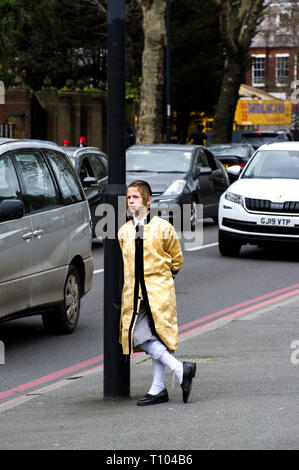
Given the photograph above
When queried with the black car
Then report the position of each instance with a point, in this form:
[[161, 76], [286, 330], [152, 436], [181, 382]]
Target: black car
[[91, 164], [232, 154], [258, 138], [179, 174]]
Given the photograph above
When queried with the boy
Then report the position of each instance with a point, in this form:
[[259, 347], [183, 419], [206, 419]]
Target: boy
[[152, 257]]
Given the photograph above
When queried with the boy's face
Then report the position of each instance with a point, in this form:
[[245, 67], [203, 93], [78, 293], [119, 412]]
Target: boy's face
[[135, 202]]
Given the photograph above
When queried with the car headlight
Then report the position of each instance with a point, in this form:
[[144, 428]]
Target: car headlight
[[175, 188], [232, 197]]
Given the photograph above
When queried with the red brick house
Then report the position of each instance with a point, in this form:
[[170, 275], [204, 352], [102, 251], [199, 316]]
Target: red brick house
[[274, 52]]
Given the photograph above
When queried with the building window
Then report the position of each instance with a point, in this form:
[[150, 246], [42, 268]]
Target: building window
[[258, 70], [282, 69]]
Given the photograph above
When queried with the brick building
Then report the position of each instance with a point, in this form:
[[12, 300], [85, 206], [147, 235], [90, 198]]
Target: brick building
[[274, 53]]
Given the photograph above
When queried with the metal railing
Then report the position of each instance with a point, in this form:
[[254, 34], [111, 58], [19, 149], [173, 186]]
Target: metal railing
[[7, 130]]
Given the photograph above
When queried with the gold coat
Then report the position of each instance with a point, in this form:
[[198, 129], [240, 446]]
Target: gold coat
[[162, 258]]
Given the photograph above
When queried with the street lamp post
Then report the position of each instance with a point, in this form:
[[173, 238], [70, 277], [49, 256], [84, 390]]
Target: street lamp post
[[116, 366], [167, 74]]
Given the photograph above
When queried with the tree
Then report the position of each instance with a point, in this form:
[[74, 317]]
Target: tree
[[51, 40], [6, 29], [151, 95], [195, 77], [238, 23]]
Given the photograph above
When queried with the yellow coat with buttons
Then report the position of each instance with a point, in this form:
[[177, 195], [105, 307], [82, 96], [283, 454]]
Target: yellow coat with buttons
[[162, 259]]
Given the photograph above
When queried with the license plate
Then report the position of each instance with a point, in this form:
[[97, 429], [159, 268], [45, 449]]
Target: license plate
[[276, 221]]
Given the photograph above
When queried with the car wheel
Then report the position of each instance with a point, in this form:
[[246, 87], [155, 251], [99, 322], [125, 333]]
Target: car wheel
[[227, 247], [64, 318]]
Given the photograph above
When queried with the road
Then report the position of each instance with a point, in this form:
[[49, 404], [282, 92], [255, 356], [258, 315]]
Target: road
[[207, 287]]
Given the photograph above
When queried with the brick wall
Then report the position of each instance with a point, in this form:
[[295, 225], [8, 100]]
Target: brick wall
[[69, 115]]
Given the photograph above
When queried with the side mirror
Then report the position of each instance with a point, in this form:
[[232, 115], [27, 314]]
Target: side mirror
[[11, 209], [234, 173], [89, 182]]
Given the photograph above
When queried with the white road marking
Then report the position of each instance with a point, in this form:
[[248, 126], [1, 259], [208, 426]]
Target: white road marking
[[201, 247]]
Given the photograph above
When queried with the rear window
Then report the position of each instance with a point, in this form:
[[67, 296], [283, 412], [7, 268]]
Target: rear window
[[260, 138]]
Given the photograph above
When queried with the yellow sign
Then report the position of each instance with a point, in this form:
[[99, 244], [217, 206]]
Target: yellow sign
[[263, 112]]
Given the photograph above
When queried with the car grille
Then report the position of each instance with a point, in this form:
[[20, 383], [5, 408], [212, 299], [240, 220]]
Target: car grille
[[263, 205], [255, 228]]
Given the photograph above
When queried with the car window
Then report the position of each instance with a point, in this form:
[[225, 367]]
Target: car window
[[159, 160], [211, 161], [99, 169], [241, 150], [85, 169], [200, 160], [104, 162], [9, 184], [66, 177], [40, 193], [273, 164]]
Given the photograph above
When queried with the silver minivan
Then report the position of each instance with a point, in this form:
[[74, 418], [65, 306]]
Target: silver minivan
[[46, 262]]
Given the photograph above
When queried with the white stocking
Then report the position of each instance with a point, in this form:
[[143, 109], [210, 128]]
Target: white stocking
[[158, 379], [160, 353]]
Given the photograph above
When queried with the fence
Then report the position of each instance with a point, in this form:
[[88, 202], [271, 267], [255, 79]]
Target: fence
[[7, 130]]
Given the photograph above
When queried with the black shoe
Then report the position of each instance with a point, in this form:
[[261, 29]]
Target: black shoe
[[149, 399], [189, 369]]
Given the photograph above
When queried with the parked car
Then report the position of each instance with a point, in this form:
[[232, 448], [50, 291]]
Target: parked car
[[258, 138], [179, 174], [91, 165], [232, 154], [45, 233], [262, 207]]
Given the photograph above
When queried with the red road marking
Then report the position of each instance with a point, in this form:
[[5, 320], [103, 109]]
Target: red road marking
[[257, 302], [235, 307], [50, 377]]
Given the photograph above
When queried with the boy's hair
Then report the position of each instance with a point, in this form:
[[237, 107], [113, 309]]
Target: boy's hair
[[144, 189]]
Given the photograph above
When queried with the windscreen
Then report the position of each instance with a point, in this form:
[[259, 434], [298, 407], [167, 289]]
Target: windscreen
[[158, 160], [273, 164]]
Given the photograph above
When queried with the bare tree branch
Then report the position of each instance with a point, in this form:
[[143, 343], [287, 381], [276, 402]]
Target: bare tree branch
[[99, 5]]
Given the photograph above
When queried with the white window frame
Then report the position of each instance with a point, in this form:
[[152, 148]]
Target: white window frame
[[279, 56], [254, 83]]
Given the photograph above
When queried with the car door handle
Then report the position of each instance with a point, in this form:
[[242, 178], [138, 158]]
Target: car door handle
[[38, 233], [27, 236]]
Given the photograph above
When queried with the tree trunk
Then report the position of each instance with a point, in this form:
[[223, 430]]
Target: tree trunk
[[225, 111], [150, 120]]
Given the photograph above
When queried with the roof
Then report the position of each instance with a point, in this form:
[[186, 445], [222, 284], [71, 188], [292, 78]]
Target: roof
[[75, 151], [164, 146], [252, 92]]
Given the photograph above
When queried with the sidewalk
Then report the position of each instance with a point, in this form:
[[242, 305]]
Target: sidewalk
[[244, 396]]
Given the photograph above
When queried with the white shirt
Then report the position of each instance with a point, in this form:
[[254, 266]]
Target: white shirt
[[140, 222]]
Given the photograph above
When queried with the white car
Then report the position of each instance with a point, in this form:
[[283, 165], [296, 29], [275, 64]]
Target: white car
[[262, 206]]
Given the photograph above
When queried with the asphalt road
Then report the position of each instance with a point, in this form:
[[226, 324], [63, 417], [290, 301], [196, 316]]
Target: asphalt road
[[207, 283]]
